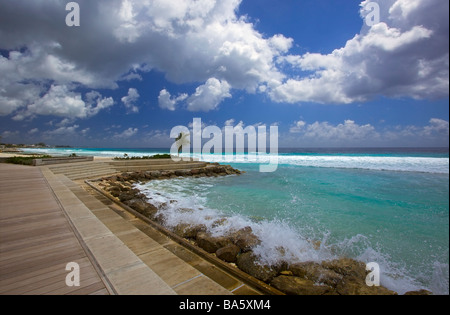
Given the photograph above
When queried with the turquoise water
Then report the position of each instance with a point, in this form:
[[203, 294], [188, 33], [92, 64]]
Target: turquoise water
[[387, 206]]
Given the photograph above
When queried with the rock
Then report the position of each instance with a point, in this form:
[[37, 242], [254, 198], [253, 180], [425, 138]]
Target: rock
[[182, 173], [248, 263], [299, 286], [142, 207], [209, 169], [195, 172], [228, 253], [347, 267], [316, 273], [210, 243], [136, 204], [351, 285], [245, 239], [188, 231], [125, 196], [155, 174], [420, 292], [114, 191], [219, 222]]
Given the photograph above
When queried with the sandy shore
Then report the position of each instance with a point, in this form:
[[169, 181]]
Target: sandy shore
[[8, 155]]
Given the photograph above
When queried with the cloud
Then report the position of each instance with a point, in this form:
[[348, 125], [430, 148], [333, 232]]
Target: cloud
[[232, 123], [341, 133], [166, 101], [437, 126], [33, 131], [187, 40], [8, 134], [130, 132], [130, 100], [350, 133], [60, 101], [208, 96], [208, 43], [61, 131], [297, 127], [405, 55]]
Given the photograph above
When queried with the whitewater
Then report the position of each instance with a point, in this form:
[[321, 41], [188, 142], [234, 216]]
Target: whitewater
[[389, 206]]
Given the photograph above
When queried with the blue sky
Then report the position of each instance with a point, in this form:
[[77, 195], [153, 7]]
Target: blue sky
[[133, 70]]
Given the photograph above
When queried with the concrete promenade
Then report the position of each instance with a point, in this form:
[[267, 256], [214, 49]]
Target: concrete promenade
[[49, 218]]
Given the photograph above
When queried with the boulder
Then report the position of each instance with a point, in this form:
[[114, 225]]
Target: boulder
[[187, 230], [142, 207], [155, 174], [195, 172], [420, 292], [245, 239], [182, 173], [228, 253], [125, 196], [248, 262], [114, 191], [316, 273], [351, 285], [136, 204], [210, 243], [347, 267], [299, 286]]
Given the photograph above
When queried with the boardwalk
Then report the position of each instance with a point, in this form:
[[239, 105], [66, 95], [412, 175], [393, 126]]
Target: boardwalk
[[48, 220], [37, 240]]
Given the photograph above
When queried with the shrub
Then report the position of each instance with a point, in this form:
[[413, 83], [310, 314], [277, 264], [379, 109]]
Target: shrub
[[28, 160], [152, 157]]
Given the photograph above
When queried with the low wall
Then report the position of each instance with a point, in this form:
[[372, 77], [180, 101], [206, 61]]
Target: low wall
[[62, 160]]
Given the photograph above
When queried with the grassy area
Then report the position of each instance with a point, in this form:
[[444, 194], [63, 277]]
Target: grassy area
[[26, 160], [152, 157]]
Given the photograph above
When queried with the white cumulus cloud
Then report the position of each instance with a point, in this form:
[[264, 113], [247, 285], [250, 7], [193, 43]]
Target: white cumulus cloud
[[208, 43], [405, 55], [208, 96], [130, 100]]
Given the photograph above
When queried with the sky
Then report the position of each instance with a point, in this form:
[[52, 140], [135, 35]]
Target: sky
[[123, 73]]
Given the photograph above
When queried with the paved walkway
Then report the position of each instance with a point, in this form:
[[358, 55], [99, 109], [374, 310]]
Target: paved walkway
[[36, 239], [47, 220]]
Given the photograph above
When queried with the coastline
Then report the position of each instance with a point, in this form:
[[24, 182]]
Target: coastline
[[342, 276], [392, 283]]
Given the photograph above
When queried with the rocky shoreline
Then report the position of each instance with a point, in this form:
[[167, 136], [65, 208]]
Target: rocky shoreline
[[338, 277]]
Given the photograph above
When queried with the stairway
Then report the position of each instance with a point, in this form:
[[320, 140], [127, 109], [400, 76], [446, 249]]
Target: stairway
[[154, 165], [133, 257], [83, 170], [95, 169]]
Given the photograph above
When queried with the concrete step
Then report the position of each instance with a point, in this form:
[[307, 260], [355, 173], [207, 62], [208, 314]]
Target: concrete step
[[156, 251], [179, 166], [90, 175], [123, 270], [68, 168], [147, 162]]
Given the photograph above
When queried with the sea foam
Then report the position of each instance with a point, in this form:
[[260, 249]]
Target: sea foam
[[280, 240]]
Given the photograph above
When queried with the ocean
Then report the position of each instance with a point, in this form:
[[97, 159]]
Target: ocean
[[389, 206]]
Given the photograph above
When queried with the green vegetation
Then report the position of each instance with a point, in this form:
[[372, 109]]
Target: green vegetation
[[152, 157], [25, 160]]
